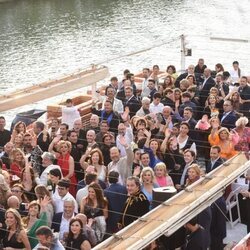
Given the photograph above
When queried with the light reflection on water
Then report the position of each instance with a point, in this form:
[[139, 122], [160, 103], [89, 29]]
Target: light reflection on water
[[40, 40]]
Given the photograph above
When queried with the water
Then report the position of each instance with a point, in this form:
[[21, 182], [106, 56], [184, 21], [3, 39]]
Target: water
[[44, 39]]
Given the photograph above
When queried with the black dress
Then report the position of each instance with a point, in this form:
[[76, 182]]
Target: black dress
[[12, 242], [75, 243]]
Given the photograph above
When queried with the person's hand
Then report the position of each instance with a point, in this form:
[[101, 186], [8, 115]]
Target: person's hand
[[137, 171], [91, 222], [45, 201], [245, 194], [122, 140], [56, 139], [147, 133], [167, 132], [125, 114], [178, 186]]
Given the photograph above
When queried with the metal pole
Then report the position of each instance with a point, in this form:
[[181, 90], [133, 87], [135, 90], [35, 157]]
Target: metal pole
[[182, 53]]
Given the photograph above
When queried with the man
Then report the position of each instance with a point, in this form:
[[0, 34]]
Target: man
[[205, 87], [215, 160], [228, 118], [82, 192], [121, 94], [114, 83], [121, 164], [5, 157], [91, 136], [144, 86], [200, 67], [47, 239], [104, 128], [152, 89], [186, 102], [244, 91], [93, 124], [144, 110], [127, 132], [47, 165], [70, 113], [43, 139], [61, 194], [108, 114], [81, 134], [76, 153], [190, 71], [197, 237], [168, 99], [116, 195], [131, 101], [117, 104], [5, 134], [136, 204], [64, 131], [156, 106], [60, 221]]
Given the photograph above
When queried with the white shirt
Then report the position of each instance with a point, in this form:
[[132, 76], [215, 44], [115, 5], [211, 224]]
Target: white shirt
[[43, 179], [64, 227], [58, 201], [81, 194], [69, 115], [117, 105], [156, 108], [129, 138]]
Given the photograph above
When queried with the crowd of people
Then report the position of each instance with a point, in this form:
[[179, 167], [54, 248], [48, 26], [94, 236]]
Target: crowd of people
[[71, 186]]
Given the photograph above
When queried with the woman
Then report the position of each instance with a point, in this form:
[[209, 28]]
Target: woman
[[171, 70], [66, 163], [183, 139], [191, 79], [54, 129], [76, 239], [225, 140], [148, 182], [152, 146], [161, 175], [95, 207], [19, 128], [96, 160], [177, 98], [234, 96], [28, 182], [244, 135], [17, 159], [168, 82], [36, 217], [212, 109], [219, 68], [43, 194], [194, 173], [136, 162], [16, 237]]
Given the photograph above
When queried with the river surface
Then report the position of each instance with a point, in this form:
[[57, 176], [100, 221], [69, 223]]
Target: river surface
[[44, 39]]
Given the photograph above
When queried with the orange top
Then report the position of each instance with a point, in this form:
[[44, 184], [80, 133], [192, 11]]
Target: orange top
[[227, 149]]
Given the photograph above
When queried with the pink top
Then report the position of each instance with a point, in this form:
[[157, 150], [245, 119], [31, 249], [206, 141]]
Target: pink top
[[164, 181]]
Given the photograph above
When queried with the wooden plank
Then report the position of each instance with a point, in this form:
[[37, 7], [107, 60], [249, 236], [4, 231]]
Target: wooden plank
[[52, 88], [179, 209]]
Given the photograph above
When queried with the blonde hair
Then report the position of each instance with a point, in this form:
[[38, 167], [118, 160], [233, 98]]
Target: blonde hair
[[17, 217], [196, 168], [163, 166], [241, 122], [67, 143], [147, 169]]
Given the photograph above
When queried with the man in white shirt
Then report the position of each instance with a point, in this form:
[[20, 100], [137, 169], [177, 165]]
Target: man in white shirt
[[145, 91], [156, 106], [236, 72], [60, 221], [47, 163], [61, 194]]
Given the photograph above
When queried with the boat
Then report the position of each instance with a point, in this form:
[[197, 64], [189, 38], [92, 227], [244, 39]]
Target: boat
[[178, 210], [52, 88]]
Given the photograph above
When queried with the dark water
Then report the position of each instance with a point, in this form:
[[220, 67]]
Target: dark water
[[42, 39]]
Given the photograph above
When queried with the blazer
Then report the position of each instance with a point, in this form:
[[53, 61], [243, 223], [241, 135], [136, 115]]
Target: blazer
[[216, 165], [56, 221], [205, 90], [229, 120], [133, 104]]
